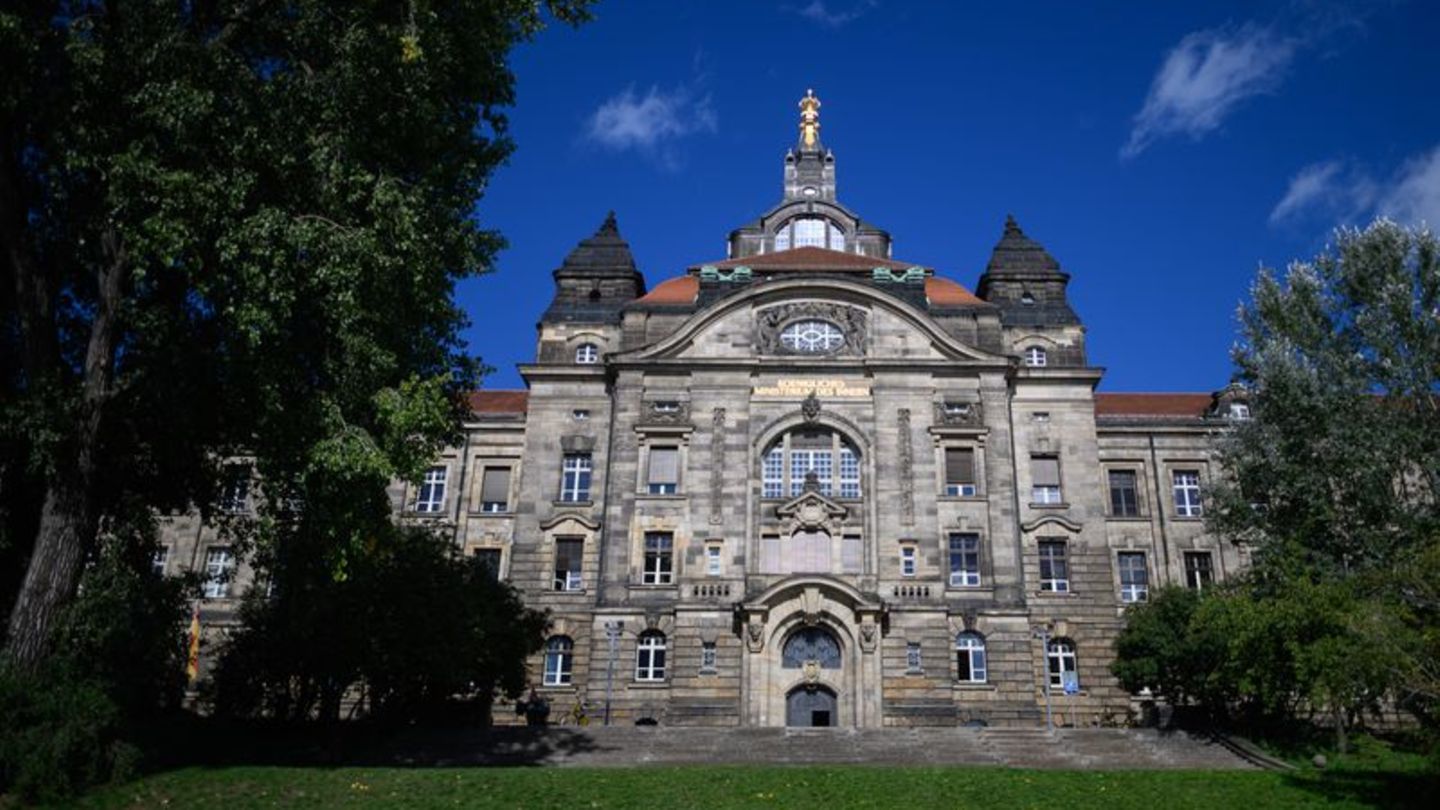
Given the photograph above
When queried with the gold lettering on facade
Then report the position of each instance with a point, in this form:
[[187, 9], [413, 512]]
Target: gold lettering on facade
[[821, 387]]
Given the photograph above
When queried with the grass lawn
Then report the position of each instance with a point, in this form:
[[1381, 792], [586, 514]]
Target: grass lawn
[[829, 787]]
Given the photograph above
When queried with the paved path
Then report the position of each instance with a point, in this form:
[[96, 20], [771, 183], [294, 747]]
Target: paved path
[[672, 745]]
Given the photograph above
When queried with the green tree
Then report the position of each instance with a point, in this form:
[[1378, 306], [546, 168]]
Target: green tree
[[411, 628], [1334, 482], [234, 226]]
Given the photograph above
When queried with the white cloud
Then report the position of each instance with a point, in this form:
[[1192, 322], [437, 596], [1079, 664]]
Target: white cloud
[[653, 123], [1414, 195], [818, 12], [1341, 191], [1205, 77], [1345, 193]]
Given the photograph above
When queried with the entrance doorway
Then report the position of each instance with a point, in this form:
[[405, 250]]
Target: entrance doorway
[[810, 707]]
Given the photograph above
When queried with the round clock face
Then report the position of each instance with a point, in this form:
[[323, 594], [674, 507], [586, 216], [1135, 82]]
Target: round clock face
[[812, 337]]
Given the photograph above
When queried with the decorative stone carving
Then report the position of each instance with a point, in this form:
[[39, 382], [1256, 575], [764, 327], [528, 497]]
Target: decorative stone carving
[[812, 672], [959, 414], [810, 408], [717, 463], [755, 636], [853, 321], [665, 412], [907, 470], [867, 637], [811, 512]]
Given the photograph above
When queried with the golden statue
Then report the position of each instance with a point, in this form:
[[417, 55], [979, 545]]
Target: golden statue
[[809, 118]]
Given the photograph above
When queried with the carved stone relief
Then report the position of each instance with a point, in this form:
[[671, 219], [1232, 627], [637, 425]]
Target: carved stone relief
[[665, 412], [907, 470], [959, 414], [717, 463], [853, 321]]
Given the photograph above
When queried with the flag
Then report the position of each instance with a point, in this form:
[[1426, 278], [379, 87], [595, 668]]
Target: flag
[[192, 661]]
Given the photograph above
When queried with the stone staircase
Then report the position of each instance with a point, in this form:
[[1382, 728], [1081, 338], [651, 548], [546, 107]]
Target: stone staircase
[[597, 746]]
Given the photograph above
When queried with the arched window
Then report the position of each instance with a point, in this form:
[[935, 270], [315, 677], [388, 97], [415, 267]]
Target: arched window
[[1035, 357], [970, 658], [810, 231], [1061, 659], [811, 644], [559, 655], [587, 354], [650, 656], [789, 460]]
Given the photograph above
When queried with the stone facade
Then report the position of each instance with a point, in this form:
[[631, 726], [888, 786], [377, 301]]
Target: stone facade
[[809, 483]]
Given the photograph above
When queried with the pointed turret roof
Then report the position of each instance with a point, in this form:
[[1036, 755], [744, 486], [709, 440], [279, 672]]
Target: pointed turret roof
[[605, 253], [597, 279], [1018, 253]]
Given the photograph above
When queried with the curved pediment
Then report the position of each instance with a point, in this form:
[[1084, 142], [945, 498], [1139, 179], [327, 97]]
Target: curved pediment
[[754, 315]]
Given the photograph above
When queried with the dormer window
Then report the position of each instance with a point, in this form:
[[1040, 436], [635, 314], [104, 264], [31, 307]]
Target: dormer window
[[1035, 357], [1027, 299], [587, 354], [1239, 410], [665, 406], [809, 231], [957, 409]]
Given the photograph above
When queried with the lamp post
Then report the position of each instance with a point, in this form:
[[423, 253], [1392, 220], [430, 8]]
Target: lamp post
[[612, 637], [1042, 632]]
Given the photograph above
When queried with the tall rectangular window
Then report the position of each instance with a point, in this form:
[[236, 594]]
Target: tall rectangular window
[[430, 496], [489, 560], [1134, 577], [849, 473], [575, 477], [664, 477], [1054, 567], [964, 560], [568, 557], [772, 473], [219, 568], [707, 657], [495, 490], [1045, 479], [1187, 493], [907, 561], [659, 565], [159, 559], [714, 562], [235, 488], [959, 471], [912, 657], [804, 462], [1198, 573], [1124, 493]]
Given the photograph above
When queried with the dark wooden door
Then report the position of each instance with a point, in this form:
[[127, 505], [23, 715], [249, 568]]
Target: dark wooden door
[[807, 708]]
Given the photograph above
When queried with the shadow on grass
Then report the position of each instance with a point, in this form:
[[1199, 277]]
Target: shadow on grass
[[1386, 789], [211, 743]]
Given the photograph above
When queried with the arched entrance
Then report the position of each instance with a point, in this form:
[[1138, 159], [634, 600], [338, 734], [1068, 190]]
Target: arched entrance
[[810, 707]]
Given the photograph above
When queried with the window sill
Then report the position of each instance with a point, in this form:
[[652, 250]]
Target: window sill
[[979, 498], [1189, 518], [974, 686], [1128, 518], [969, 590], [649, 684], [573, 503], [482, 514], [1061, 594], [1061, 505], [648, 586], [555, 688], [663, 496], [577, 592]]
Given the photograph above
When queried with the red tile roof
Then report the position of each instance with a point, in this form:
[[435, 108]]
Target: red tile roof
[[945, 293], [810, 258], [498, 401], [678, 290], [1152, 404]]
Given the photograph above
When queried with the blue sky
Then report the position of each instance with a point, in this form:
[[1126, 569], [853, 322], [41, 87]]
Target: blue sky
[[1161, 151]]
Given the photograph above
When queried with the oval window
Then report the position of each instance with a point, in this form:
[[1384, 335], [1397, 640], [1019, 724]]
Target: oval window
[[812, 337]]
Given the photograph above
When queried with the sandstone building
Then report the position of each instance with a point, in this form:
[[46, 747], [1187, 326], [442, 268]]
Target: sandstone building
[[810, 483]]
